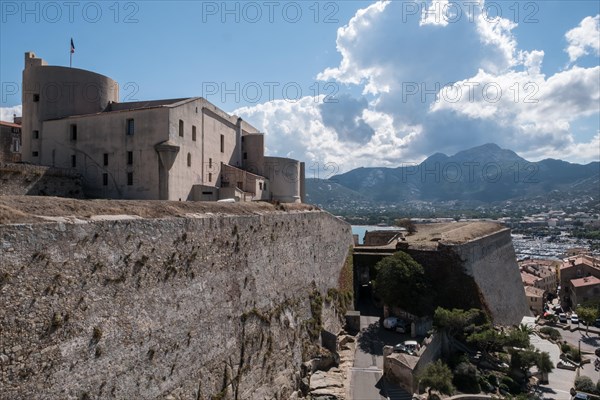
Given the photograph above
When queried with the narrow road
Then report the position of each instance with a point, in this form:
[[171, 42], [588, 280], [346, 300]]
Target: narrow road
[[366, 377], [559, 380]]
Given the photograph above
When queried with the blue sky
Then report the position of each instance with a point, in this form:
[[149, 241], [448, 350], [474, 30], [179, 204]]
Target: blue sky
[[351, 83]]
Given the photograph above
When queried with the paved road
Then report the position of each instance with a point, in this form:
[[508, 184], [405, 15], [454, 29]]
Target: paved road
[[366, 377], [589, 343], [559, 380]]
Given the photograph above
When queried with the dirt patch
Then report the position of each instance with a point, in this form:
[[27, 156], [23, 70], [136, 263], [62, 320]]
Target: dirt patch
[[27, 209]]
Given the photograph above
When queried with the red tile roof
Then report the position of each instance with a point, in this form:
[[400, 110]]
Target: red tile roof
[[587, 281], [12, 125]]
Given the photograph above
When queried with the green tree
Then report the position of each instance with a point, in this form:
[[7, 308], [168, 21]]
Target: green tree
[[457, 323], [407, 224], [487, 340], [544, 365], [437, 376], [522, 360], [401, 282], [587, 315]]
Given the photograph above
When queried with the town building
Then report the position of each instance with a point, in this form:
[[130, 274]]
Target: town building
[[583, 290], [174, 149], [574, 288], [535, 299], [10, 141], [541, 274]]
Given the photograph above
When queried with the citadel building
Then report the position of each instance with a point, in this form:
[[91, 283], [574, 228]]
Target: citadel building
[[175, 149]]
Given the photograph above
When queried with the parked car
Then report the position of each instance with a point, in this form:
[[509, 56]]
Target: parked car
[[408, 346], [597, 323], [403, 326], [390, 322], [574, 319], [562, 317], [580, 396]]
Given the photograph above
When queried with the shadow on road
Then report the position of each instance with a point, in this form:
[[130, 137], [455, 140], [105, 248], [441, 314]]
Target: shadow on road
[[370, 340]]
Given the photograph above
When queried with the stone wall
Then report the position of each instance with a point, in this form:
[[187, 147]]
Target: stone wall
[[36, 180], [207, 306], [491, 262]]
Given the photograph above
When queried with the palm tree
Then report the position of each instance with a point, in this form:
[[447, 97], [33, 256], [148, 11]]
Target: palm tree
[[544, 365]]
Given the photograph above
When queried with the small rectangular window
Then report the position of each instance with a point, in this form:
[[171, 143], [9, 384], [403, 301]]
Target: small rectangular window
[[105, 179], [130, 158], [222, 144], [36, 134], [105, 159], [209, 177], [129, 178], [245, 156], [73, 161], [73, 132], [130, 126], [36, 98], [181, 128], [194, 133], [210, 163], [34, 154], [260, 185]]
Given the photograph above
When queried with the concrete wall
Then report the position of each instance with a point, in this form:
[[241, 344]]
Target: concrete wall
[[106, 133], [187, 307]]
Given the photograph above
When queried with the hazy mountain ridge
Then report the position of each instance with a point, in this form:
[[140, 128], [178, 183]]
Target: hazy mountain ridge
[[485, 173]]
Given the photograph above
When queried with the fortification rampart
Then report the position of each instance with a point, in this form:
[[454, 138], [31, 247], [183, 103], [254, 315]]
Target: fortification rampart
[[131, 308]]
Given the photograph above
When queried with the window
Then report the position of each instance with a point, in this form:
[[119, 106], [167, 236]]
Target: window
[[130, 158], [36, 134], [105, 179], [260, 185], [105, 159], [36, 98], [222, 144], [73, 132], [181, 128], [265, 186], [194, 133], [129, 178], [210, 163], [189, 160], [34, 153], [73, 161], [130, 126], [245, 156], [209, 177]]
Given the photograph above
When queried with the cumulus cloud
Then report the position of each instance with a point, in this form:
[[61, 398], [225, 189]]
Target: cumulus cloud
[[438, 81], [7, 113], [585, 38]]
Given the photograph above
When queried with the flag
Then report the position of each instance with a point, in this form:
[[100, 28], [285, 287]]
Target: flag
[[72, 46]]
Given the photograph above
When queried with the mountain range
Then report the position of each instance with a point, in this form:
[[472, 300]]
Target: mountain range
[[485, 173]]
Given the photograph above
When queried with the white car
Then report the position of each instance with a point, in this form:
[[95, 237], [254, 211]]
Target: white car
[[574, 319]]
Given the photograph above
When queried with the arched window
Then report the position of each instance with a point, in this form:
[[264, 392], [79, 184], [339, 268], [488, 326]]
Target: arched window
[[189, 160]]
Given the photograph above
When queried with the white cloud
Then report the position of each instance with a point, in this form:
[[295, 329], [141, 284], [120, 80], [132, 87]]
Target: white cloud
[[584, 38], [6, 113], [401, 61]]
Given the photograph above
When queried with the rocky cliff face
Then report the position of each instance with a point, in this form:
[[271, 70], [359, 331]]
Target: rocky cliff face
[[207, 306]]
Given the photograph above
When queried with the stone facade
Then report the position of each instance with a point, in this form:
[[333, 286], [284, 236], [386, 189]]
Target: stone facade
[[174, 149], [10, 142], [131, 308]]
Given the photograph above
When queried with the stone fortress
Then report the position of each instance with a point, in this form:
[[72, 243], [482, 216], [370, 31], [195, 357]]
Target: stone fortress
[[176, 149]]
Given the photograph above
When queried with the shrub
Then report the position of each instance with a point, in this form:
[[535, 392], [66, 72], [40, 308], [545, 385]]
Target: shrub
[[585, 384], [553, 333]]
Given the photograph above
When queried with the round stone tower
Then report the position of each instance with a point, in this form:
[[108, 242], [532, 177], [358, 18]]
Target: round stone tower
[[51, 92]]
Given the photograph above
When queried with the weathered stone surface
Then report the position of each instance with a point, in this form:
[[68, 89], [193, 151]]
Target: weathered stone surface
[[165, 307]]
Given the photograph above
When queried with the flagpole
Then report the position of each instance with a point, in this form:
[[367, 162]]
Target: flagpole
[[70, 59]]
